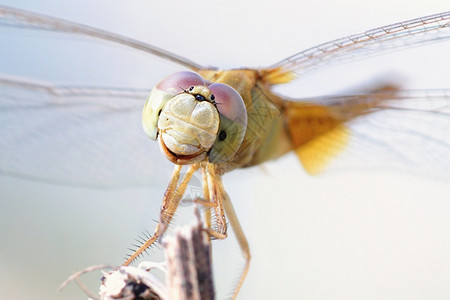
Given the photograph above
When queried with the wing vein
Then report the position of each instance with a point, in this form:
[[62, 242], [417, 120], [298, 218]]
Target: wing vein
[[13, 17]]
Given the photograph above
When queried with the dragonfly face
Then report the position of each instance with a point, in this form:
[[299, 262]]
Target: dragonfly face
[[193, 123], [261, 244], [189, 124]]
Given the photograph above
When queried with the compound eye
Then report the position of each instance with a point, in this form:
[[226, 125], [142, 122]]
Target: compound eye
[[180, 81], [233, 122]]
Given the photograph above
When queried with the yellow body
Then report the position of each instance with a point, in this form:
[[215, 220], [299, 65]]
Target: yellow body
[[276, 126]]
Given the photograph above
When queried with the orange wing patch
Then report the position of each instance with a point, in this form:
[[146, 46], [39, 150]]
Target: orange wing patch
[[316, 154], [316, 134]]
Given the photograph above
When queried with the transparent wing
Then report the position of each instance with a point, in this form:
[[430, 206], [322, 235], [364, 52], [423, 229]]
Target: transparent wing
[[76, 135], [377, 41], [409, 131], [80, 135], [11, 17]]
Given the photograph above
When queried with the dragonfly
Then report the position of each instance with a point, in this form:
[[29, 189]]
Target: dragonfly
[[263, 125]]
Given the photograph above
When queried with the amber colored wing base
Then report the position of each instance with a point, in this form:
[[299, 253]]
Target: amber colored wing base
[[317, 129]]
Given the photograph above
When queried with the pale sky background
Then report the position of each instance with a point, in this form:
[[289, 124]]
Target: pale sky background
[[344, 235]]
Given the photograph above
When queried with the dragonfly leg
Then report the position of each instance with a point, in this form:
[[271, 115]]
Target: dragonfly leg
[[240, 236], [171, 200], [206, 196], [217, 230], [212, 200], [217, 199]]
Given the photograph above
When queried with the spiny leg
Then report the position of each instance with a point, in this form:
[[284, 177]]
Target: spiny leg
[[207, 199], [221, 203], [171, 200], [171, 187], [240, 236], [220, 225], [206, 196], [212, 200]]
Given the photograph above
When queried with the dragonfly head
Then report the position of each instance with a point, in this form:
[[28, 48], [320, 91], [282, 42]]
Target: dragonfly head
[[195, 121], [188, 125]]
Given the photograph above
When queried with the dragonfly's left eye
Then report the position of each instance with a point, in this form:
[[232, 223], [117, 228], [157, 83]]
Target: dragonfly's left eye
[[233, 122]]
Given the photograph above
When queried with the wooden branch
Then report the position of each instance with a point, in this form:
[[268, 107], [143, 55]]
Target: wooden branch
[[189, 271]]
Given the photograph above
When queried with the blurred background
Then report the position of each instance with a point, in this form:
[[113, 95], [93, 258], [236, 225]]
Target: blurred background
[[343, 235]]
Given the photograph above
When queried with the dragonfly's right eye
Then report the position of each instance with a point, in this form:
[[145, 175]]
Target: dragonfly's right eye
[[163, 92], [233, 122]]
